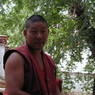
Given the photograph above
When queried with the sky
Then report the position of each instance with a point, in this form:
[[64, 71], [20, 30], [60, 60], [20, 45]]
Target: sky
[[79, 65]]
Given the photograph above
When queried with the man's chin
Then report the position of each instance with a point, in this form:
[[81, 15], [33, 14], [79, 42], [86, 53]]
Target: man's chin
[[35, 47], [38, 48]]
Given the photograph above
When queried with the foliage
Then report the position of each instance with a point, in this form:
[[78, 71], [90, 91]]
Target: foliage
[[71, 25]]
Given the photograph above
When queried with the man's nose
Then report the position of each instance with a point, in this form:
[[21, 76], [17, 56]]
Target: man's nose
[[39, 35]]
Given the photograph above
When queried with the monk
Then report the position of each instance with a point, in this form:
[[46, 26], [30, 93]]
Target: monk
[[28, 70]]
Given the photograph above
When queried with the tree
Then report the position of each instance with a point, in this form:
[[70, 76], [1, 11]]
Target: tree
[[71, 24]]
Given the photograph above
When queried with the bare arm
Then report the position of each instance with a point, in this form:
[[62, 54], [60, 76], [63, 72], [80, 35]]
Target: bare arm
[[14, 75]]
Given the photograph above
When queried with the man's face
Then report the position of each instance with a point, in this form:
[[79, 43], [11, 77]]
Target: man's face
[[36, 35]]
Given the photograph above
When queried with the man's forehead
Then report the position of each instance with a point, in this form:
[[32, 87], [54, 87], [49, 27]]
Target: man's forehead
[[38, 24]]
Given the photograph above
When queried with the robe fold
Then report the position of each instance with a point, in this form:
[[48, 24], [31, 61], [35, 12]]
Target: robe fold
[[36, 81]]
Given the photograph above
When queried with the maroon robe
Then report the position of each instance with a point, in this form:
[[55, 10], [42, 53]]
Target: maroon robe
[[36, 81]]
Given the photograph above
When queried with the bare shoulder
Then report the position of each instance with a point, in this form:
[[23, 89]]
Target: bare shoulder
[[14, 71], [14, 60]]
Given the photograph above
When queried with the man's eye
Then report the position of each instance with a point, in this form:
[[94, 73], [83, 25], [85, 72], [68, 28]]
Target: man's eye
[[34, 31], [43, 31]]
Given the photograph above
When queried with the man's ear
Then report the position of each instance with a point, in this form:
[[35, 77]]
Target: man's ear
[[48, 31], [24, 32]]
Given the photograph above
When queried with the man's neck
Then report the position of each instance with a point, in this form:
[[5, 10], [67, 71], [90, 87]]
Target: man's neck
[[37, 52]]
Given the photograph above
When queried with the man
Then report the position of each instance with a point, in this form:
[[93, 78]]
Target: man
[[28, 70]]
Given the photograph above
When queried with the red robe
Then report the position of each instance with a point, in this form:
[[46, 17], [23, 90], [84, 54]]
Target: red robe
[[36, 81]]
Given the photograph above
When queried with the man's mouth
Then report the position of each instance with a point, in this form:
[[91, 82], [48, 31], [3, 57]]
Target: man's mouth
[[39, 42]]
